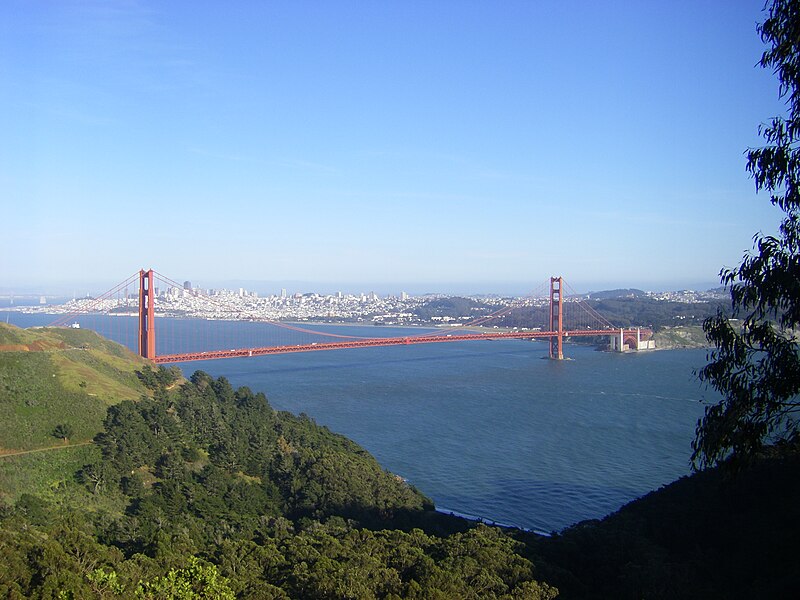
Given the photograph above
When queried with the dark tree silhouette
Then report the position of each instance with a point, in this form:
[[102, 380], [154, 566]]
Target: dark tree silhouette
[[63, 431], [756, 363]]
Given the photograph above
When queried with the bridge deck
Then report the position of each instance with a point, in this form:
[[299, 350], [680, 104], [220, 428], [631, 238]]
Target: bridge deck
[[388, 341]]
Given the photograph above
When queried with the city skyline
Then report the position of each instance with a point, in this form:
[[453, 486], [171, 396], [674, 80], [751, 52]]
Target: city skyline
[[446, 147], [292, 288]]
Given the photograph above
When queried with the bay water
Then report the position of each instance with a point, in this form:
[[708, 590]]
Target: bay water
[[489, 429]]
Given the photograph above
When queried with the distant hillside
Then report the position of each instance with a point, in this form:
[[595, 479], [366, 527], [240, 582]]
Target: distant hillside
[[716, 534], [60, 376], [618, 293], [690, 336]]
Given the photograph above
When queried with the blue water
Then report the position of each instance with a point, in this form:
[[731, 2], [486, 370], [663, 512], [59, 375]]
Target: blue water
[[491, 428]]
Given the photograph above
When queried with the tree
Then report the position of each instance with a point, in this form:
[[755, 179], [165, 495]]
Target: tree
[[96, 475], [194, 582], [63, 431], [756, 363]]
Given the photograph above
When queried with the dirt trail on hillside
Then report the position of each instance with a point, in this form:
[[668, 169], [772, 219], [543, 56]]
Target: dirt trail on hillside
[[4, 452]]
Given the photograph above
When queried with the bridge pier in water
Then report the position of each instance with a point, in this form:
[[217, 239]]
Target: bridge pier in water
[[556, 318]]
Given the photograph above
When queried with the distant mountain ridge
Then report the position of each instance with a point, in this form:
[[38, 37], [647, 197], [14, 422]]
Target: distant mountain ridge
[[617, 293]]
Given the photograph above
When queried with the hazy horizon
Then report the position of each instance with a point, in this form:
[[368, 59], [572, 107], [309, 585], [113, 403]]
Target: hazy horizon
[[66, 289]]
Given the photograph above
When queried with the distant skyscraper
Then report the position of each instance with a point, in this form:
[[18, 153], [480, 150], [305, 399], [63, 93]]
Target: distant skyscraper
[[187, 285], [283, 292]]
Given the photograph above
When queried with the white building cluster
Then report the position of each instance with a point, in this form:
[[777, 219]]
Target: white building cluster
[[690, 296], [245, 305]]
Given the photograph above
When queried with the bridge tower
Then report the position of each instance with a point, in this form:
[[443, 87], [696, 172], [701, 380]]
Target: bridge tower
[[556, 322], [147, 322]]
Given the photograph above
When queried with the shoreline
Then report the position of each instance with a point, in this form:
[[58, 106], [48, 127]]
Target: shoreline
[[490, 522], [680, 340]]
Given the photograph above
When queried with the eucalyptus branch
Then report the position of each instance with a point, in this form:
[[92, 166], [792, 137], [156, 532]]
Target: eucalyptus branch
[[756, 368]]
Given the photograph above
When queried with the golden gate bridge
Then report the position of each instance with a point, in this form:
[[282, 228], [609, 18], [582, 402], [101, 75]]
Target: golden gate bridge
[[559, 325]]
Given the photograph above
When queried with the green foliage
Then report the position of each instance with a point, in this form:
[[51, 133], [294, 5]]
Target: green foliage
[[196, 581], [159, 379], [211, 493], [332, 561], [626, 312], [210, 475], [50, 377], [757, 367], [54, 559], [63, 431], [258, 461], [319, 560], [33, 402], [105, 584], [623, 312], [204, 491], [704, 536], [453, 307], [49, 474], [96, 476]]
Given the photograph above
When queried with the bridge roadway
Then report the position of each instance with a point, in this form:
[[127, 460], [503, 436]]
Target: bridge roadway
[[390, 341]]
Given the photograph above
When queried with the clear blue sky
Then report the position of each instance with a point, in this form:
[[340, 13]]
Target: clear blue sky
[[472, 145]]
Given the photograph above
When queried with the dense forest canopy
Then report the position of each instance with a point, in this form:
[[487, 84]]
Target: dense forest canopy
[[204, 489]]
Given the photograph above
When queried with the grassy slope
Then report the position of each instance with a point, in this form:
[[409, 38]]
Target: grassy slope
[[684, 336], [45, 474], [53, 376]]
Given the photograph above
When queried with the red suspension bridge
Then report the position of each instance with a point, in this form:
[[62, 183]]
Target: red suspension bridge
[[580, 321]]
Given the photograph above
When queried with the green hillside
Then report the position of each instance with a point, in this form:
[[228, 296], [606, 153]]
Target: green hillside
[[55, 376], [684, 336], [716, 534], [195, 483], [206, 488]]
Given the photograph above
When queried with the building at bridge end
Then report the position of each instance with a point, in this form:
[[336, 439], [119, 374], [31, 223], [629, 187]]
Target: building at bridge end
[[631, 340]]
